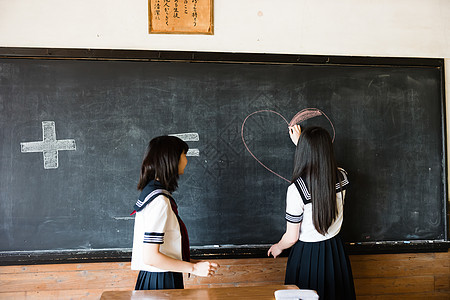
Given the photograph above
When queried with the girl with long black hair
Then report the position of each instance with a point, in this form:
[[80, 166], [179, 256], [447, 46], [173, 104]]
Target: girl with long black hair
[[314, 215]]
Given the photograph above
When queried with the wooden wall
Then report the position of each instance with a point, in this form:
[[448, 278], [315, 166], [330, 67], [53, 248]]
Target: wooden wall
[[387, 276]]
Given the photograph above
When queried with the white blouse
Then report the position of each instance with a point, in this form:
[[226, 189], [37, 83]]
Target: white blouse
[[156, 223], [297, 211]]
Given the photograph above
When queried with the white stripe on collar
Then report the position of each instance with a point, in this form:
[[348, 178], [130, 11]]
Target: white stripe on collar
[[305, 191], [139, 203]]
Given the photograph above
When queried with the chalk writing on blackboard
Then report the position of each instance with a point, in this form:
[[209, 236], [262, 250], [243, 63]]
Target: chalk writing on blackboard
[[301, 116], [309, 113], [181, 16], [49, 146], [189, 137]]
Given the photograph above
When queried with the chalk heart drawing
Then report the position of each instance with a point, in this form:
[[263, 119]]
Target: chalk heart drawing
[[301, 116]]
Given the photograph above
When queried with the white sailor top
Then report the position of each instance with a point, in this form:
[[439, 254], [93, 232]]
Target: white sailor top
[[156, 223], [299, 209]]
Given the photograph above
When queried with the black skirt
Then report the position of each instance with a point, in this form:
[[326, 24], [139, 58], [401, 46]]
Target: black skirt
[[159, 280], [321, 266]]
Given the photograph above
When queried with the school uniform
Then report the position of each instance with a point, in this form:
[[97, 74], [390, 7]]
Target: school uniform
[[317, 261], [157, 222]]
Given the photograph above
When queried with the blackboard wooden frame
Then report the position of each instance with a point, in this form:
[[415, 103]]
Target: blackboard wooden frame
[[225, 57], [244, 58]]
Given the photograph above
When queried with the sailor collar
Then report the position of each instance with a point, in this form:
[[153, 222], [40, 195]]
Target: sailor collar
[[303, 189], [152, 190]]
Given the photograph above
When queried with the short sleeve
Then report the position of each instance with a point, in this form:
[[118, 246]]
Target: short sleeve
[[294, 205], [155, 219]]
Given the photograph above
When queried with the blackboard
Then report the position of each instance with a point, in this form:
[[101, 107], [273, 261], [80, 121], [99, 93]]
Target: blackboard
[[102, 108]]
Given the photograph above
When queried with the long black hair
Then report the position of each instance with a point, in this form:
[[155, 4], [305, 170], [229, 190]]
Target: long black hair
[[315, 162], [161, 162]]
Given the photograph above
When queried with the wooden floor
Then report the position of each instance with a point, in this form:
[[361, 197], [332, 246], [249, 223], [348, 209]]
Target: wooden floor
[[387, 276]]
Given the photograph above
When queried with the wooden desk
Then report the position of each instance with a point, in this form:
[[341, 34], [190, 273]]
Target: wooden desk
[[249, 292]]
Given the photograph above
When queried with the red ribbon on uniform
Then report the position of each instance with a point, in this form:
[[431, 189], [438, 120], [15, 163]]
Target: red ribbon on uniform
[[185, 250]]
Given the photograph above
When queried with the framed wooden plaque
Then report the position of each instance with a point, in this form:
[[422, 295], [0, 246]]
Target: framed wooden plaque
[[181, 16]]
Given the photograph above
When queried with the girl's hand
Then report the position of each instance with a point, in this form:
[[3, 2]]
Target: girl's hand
[[275, 250], [205, 268], [294, 133]]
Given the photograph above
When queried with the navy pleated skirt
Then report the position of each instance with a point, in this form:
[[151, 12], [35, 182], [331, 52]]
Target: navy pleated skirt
[[321, 266], [159, 280]]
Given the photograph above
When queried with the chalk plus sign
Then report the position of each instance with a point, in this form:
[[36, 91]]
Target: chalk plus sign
[[49, 146]]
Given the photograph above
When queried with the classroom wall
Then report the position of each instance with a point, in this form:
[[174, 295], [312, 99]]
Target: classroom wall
[[406, 28], [401, 28]]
